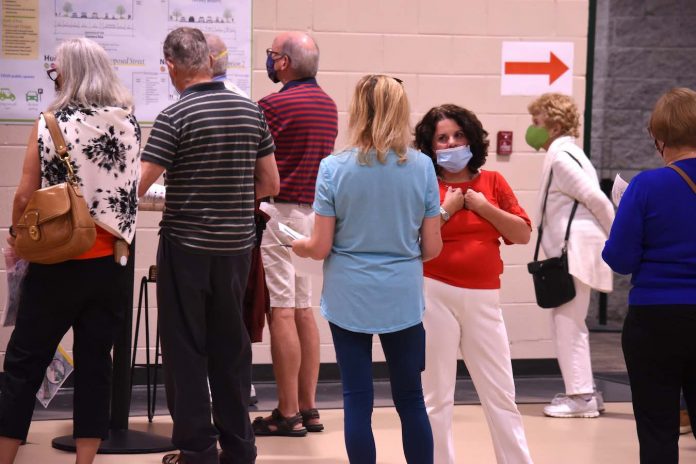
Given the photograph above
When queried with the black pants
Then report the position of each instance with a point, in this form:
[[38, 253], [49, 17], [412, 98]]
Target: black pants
[[204, 339], [87, 296], [660, 350]]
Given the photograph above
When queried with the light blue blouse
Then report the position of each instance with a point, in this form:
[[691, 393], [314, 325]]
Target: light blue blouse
[[373, 277]]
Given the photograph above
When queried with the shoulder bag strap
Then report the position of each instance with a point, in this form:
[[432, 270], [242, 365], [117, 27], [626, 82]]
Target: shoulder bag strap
[[541, 220], [59, 143], [572, 213], [684, 175], [543, 213]]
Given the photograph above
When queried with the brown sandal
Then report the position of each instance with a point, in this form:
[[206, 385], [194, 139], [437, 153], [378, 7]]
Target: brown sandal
[[307, 416], [284, 426]]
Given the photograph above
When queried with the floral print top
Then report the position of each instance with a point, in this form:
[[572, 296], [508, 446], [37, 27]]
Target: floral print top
[[104, 147]]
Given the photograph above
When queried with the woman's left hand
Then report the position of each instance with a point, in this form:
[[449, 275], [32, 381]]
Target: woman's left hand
[[474, 201], [299, 247]]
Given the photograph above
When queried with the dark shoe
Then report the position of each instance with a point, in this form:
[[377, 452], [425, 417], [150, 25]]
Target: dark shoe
[[173, 458], [278, 426], [309, 415]]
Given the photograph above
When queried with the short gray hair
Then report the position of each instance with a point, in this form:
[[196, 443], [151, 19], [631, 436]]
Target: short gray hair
[[186, 47], [304, 61], [218, 50], [87, 77]]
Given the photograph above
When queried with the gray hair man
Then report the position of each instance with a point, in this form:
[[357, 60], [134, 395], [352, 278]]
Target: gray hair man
[[220, 57], [303, 120], [206, 236]]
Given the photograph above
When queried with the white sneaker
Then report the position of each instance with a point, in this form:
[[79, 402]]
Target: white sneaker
[[558, 399], [572, 406]]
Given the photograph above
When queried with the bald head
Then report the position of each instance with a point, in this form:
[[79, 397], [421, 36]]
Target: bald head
[[218, 50], [302, 51]]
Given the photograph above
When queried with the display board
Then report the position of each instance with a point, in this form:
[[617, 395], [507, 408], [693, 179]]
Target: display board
[[132, 33]]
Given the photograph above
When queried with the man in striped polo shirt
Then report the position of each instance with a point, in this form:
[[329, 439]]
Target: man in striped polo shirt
[[216, 149], [304, 123]]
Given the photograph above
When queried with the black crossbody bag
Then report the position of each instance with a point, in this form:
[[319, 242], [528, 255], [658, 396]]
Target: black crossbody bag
[[553, 285]]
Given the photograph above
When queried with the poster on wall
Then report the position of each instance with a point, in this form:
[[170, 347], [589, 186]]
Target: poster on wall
[[132, 33]]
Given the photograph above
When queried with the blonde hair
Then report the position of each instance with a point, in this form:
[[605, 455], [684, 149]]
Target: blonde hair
[[557, 109], [87, 77], [673, 121], [379, 119]]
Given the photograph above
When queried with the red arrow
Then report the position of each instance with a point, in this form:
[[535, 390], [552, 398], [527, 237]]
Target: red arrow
[[555, 68]]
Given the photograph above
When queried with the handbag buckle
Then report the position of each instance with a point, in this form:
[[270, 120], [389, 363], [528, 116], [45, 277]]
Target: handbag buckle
[[34, 233]]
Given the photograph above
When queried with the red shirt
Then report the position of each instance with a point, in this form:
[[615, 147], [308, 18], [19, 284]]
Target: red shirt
[[304, 123], [103, 246], [470, 256]]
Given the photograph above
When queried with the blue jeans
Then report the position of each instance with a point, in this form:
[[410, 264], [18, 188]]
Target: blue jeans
[[405, 354]]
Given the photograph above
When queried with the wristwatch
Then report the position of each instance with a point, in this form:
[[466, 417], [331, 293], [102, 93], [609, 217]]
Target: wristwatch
[[444, 214], [12, 232]]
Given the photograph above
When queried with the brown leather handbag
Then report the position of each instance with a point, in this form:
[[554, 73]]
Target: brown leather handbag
[[56, 224]]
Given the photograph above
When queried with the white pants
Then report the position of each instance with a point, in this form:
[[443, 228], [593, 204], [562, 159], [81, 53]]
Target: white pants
[[572, 341], [471, 321]]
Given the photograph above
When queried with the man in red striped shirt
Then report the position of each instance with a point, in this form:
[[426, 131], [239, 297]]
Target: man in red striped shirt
[[304, 123]]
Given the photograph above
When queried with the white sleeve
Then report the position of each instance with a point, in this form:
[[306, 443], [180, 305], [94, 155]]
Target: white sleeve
[[572, 180]]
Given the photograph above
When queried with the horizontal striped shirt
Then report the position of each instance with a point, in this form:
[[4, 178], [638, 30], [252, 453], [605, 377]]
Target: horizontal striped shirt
[[209, 142], [304, 122]]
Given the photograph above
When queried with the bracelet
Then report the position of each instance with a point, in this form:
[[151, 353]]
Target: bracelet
[[444, 214], [13, 234]]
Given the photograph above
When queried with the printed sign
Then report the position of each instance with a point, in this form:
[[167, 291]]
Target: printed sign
[[533, 68]]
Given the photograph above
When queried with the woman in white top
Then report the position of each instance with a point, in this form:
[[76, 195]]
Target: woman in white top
[[555, 125]]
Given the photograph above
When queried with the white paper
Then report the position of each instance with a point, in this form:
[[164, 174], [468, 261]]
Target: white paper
[[290, 232], [303, 266], [153, 200], [56, 373], [618, 190]]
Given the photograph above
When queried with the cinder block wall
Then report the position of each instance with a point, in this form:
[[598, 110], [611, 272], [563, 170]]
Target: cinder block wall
[[642, 50], [445, 51]]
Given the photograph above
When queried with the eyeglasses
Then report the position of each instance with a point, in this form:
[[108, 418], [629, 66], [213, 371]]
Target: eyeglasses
[[270, 52], [52, 74], [398, 80]]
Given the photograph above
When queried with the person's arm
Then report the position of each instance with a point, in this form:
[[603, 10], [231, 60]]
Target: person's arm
[[149, 173], [572, 180], [318, 245], [30, 180], [513, 228], [431, 238], [266, 177], [623, 250]]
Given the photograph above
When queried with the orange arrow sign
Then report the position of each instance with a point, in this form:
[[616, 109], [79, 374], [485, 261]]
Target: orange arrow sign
[[555, 68]]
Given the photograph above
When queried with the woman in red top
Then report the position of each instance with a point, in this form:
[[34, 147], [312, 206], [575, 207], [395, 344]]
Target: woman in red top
[[462, 284]]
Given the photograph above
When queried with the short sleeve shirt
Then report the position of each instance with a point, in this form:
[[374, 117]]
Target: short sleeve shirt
[[209, 142], [470, 256], [373, 277]]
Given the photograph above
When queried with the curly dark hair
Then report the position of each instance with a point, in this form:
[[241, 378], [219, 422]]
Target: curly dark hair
[[467, 121]]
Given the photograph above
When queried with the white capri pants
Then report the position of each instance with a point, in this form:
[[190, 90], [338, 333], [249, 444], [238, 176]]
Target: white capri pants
[[572, 341], [470, 320]]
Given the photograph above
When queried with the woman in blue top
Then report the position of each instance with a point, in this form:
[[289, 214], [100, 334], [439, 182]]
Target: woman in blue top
[[377, 219], [654, 239]]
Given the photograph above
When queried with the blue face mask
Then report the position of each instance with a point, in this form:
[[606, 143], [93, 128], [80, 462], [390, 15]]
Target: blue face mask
[[454, 159], [272, 75]]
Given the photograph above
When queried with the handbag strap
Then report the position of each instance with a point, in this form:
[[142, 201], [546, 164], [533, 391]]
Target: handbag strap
[[543, 213], [684, 175], [59, 143]]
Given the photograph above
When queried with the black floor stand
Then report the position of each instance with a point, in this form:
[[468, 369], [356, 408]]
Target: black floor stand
[[121, 439]]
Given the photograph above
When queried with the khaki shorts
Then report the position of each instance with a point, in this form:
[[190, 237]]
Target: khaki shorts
[[286, 289]]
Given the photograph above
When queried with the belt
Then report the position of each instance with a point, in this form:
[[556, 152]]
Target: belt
[[273, 200]]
